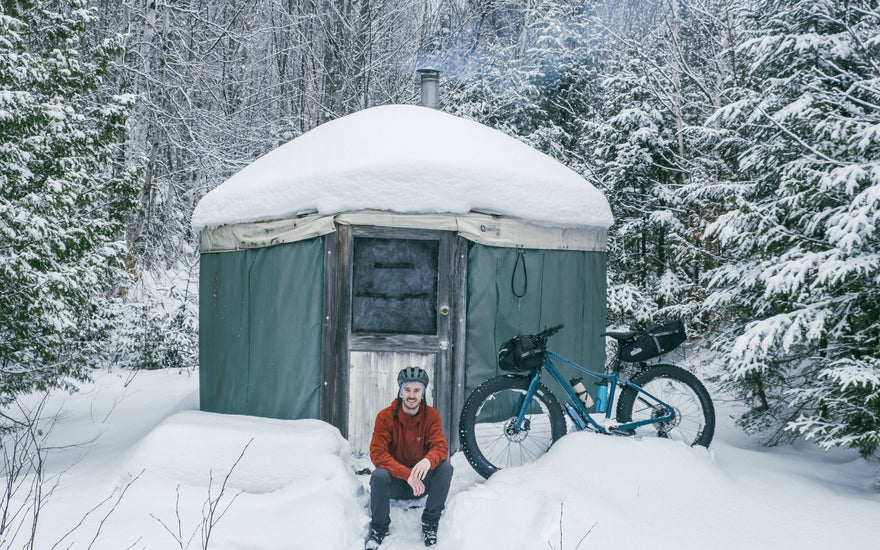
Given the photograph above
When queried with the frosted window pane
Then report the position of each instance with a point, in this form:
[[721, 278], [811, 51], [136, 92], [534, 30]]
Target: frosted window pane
[[394, 286]]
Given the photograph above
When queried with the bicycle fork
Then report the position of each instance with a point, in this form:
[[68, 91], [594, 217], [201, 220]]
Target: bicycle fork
[[521, 423]]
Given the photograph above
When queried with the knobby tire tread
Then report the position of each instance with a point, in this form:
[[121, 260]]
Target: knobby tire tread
[[628, 396], [467, 436]]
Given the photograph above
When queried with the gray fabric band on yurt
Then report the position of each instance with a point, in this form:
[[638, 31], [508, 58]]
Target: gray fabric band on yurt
[[476, 227]]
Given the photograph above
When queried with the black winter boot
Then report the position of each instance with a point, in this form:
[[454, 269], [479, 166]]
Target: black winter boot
[[376, 538], [429, 533]]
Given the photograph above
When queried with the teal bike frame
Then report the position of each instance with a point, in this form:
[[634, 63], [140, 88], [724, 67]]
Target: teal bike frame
[[586, 419]]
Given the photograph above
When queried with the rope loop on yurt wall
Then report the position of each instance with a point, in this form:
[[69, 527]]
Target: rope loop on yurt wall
[[520, 260]]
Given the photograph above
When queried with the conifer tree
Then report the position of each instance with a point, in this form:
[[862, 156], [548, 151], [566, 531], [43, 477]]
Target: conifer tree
[[664, 67], [800, 290], [63, 195]]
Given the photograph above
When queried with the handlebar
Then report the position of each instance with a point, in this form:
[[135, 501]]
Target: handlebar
[[548, 332]]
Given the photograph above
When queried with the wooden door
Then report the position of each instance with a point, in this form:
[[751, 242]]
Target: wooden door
[[396, 309]]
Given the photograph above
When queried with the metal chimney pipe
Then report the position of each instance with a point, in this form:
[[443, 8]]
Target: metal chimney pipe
[[430, 86]]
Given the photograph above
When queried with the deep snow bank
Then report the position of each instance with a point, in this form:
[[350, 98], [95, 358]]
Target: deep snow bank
[[292, 487], [295, 487], [593, 490]]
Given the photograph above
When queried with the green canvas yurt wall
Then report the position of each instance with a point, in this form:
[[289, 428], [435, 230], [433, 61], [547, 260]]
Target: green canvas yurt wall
[[261, 314], [260, 330], [557, 287]]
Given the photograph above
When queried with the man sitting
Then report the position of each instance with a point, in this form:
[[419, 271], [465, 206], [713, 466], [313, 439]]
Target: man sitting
[[411, 456]]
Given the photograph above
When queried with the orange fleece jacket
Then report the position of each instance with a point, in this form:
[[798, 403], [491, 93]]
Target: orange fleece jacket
[[398, 444]]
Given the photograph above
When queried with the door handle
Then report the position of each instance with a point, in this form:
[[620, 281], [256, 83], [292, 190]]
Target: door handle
[[444, 310]]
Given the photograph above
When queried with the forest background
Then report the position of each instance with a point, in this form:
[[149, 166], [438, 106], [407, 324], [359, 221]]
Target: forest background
[[736, 140]]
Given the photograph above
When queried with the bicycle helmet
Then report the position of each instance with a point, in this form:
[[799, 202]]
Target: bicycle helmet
[[412, 374]]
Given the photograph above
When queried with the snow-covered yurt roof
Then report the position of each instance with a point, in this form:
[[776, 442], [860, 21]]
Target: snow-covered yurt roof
[[409, 166]]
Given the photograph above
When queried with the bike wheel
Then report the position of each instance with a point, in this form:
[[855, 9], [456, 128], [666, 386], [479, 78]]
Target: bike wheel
[[485, 427], [694, 421]]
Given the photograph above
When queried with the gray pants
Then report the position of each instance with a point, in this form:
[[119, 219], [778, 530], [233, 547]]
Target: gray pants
[[384, 487]]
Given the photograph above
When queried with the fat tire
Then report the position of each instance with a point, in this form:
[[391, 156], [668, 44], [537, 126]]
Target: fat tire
[[627, 400], [475, 401]]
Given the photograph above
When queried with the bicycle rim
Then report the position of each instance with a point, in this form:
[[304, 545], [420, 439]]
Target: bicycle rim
[[495, 436], [689, 422]]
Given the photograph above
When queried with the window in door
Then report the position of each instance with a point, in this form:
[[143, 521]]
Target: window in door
[[394, 286]]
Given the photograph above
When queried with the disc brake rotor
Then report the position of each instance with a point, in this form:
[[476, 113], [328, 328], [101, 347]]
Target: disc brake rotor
[[512, 433]]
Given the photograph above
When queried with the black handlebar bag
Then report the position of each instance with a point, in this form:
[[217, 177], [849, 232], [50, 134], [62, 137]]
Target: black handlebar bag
[[521, 354]]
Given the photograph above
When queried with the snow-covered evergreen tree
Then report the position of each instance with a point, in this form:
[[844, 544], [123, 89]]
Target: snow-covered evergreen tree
[[664, 67], [63, 195], [800, 292], [633, 155], [158, 327]]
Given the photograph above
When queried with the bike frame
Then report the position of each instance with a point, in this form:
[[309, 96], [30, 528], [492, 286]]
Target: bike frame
[[613, 381]]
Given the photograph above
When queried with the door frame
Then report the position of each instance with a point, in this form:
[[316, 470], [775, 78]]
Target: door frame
[[338, 341]]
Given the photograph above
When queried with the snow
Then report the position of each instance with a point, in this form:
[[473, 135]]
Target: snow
[[293, 485], [405, 159]]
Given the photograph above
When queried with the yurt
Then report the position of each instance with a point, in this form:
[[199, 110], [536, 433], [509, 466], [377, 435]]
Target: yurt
[[398, 235]]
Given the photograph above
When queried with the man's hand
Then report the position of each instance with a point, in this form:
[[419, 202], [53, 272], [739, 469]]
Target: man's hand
[[417, 474]]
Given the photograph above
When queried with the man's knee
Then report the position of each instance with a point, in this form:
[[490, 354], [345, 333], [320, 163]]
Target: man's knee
[[380, 476], [441, 477], [444, 470]]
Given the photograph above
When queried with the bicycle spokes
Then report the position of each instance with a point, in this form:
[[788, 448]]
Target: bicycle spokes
[[686, 422], [498, 438]]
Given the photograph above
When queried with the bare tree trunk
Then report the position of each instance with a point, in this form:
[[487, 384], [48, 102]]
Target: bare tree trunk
[[676, 77]]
